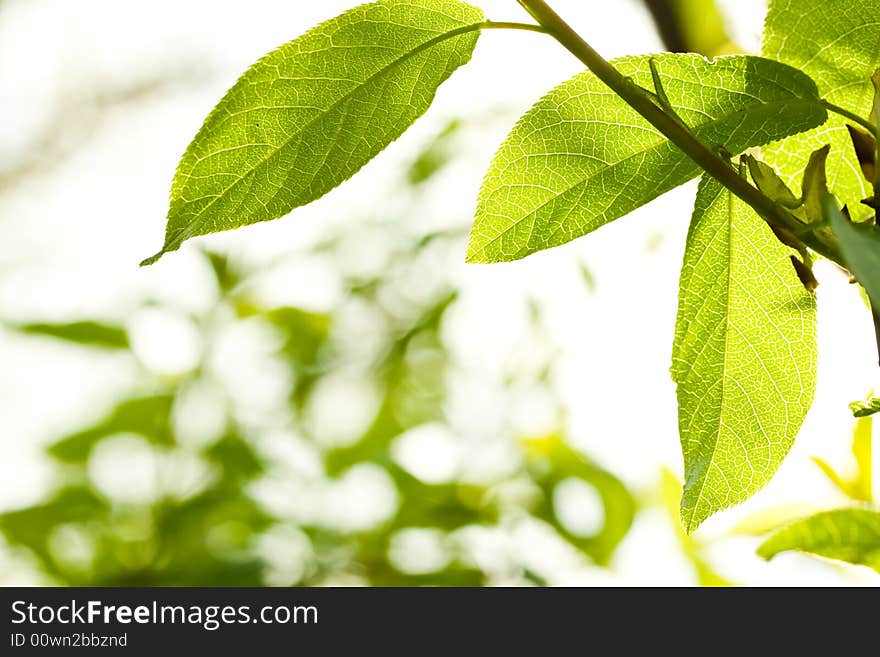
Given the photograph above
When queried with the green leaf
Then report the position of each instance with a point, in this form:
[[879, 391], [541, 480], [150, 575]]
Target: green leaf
[[310, 114], [768, 181], [581, 157], [815, 186], [835, 43], [860, 244], [865, 408], [744, 356], [92, 334], [851, 535]]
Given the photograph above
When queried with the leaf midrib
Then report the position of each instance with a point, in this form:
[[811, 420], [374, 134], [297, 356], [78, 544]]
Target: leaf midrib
[[691, 525]]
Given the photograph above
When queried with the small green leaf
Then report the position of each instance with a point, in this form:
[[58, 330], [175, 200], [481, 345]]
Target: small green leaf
[[815, 186], [310, 114], [581, 157], [769, 182], [865, 408], [92, 334], [860, 244], [744, 356], [851, 535], [835, 43]]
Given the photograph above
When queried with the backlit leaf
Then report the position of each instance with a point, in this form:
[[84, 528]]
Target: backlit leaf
[[835, 43], [851, 535], [310, 114], [581, 157], [744, 356]]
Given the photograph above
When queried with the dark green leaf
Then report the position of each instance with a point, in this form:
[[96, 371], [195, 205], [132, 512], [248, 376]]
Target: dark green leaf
[[865, 408]]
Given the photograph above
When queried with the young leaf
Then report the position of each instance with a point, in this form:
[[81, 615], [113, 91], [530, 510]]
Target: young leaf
[[865, 408], [860, 244], [744, 355], [581, 157], [310, 114], [815, 186], [768, 181], [851, 535], [835, 43]]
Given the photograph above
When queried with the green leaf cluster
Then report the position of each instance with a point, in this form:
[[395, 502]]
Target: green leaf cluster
[[835, 43], [310, 114]]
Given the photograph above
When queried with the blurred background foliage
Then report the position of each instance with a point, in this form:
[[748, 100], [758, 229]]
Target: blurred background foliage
[[194, 513], [180, 483]]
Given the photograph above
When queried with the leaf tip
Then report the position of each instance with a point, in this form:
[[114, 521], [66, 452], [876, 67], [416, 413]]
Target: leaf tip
[[146, 262], [689, 519], [475, 256], [169, 246]]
